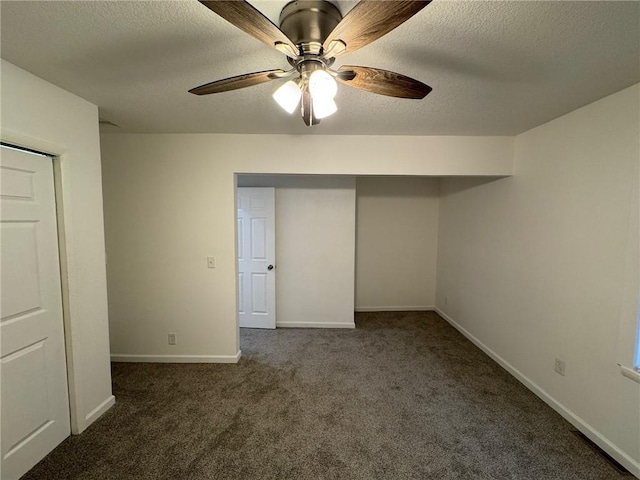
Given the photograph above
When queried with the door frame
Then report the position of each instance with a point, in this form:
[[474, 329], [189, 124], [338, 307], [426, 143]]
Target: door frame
[[60, 157]]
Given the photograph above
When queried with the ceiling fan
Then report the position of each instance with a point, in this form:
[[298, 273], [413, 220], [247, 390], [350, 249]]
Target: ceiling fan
[[312, 34]]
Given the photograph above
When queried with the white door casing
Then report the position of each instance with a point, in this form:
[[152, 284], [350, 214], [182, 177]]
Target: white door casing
[[33, 390], [256, 258]]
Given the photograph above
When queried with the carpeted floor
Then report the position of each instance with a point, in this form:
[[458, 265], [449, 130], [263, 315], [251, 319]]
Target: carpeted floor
[[403, 396]]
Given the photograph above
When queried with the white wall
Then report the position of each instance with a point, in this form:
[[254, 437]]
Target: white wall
[[533, 267], [315, 248], [397, 243], [170, 202], [41, 116]]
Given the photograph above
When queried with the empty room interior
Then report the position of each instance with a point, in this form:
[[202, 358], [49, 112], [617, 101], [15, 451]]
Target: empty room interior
[[407, 246]]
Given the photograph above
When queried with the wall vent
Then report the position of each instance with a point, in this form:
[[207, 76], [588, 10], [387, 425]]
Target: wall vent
[[103, 121]]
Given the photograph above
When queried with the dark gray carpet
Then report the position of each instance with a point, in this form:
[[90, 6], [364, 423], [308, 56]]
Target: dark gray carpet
[[403, 396]]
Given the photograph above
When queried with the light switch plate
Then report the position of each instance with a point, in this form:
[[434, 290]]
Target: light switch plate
[[211, 262]]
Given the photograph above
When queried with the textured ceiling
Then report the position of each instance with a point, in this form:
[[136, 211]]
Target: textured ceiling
[[496, 67]]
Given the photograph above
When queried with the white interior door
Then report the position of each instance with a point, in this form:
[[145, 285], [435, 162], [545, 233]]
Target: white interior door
[[256, 258], [34, 399]]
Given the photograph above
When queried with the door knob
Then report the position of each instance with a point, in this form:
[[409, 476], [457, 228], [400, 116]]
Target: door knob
[[270, 267]]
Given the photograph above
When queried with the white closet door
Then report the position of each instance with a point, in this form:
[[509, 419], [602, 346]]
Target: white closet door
[[256, 257], [34, 398]]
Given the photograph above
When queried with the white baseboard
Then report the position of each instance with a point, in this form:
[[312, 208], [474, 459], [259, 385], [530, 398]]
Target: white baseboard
[[118, 357], [97, 412], [419, 308], [629, 463], [315, 325]]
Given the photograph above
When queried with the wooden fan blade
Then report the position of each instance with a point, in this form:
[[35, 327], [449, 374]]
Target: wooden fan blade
[[248, 19], [383, 82], [234, 83], [370, 20]]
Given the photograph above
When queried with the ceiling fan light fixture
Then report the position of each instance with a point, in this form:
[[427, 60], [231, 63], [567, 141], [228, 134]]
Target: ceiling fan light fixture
[[288, 96], [322, 85], [323, 107]]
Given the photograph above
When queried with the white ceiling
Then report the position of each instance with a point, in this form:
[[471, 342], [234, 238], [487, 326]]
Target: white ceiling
[[496, 67]]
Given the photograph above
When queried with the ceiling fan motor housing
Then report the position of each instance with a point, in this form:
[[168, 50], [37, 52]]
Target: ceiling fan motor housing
[[308, 23]]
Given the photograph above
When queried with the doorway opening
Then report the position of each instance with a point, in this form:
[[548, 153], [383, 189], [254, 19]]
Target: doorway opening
[[314, 239]]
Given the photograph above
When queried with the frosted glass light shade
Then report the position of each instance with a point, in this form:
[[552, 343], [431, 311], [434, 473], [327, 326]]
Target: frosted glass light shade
[[288, 96], [323, 107], [322, 85]]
